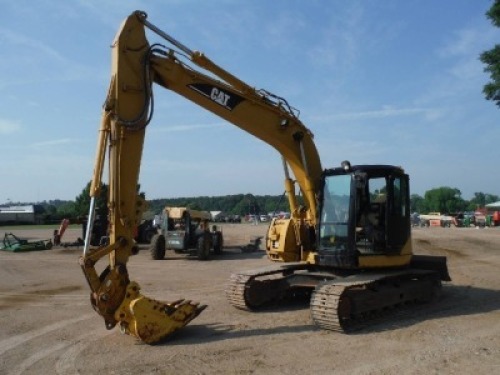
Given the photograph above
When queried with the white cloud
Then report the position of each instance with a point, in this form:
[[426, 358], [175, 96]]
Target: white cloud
[[384, 112], [9, 127], [185, 128], [55, 142], [462, 43], [31, 60], [461, 73], [33, 45], [281, 28]]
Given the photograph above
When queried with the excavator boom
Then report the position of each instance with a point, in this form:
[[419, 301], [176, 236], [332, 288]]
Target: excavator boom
[[125, 117]]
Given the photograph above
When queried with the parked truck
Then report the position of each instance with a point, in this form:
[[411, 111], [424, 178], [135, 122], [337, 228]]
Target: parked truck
[[435, 219]]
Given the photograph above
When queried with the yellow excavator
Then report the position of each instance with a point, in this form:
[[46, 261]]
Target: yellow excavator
[[347, 242]]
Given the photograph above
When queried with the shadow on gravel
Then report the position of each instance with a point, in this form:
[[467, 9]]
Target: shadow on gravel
[[455, 301], [219, 331], [228, 254]]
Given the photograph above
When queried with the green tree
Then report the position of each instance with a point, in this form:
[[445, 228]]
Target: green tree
[[82, 202], [491, 59], [417, 203], [67, 210], [480, 200], [445, 200], [246, 205], [194, 206]]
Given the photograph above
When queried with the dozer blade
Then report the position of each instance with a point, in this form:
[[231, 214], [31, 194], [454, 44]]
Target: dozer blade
[[152, 321], [431, 263]]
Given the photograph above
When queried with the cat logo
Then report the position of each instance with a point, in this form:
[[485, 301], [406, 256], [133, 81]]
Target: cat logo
[[217, 95]]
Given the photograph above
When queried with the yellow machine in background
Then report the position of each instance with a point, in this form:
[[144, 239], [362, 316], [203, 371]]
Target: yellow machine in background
[[186, 231], [349, 243]]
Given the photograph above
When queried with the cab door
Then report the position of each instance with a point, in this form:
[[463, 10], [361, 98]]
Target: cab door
[[398, 213]]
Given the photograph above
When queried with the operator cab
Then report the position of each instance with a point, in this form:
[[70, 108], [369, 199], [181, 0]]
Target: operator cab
[[364, 211]]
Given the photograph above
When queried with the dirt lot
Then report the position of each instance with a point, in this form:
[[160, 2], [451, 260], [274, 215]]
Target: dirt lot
[[47, 325]]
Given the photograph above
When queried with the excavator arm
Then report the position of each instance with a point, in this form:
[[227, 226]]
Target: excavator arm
[[136, 66], [125, 117]]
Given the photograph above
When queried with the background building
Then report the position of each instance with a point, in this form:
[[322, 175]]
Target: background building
[[18, 215]]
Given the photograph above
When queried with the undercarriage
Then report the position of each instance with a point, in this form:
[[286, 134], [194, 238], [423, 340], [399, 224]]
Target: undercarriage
[[340, 300]]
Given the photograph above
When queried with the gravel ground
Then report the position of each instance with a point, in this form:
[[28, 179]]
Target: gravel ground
[[47, 325]]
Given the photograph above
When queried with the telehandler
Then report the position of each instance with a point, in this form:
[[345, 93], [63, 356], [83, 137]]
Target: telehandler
[[186, 231]]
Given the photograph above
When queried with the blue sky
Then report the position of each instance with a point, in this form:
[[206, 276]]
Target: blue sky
[[392, 82]]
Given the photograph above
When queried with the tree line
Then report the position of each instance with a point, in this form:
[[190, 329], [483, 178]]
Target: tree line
[[76, 211], [449, 200], [442, 199]]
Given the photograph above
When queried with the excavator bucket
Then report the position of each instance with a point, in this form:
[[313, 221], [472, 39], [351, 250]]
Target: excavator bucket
[[152, 321], [119, 301]]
